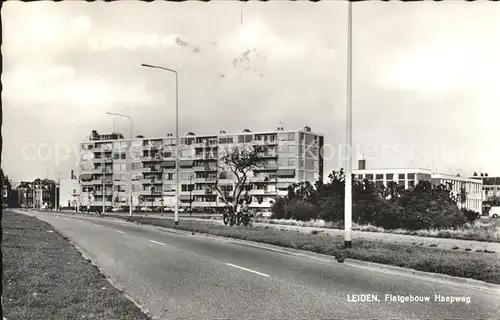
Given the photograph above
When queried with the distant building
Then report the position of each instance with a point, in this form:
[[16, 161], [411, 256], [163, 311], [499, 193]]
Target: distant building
[[26, 195], [39, 193], [410, 177], [473, 189], [289, 156], [405, 178], [491, 189], [68, 191], [6, 188]]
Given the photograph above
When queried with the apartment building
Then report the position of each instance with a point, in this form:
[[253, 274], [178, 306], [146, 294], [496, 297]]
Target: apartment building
[[288, 156], [408, 178]]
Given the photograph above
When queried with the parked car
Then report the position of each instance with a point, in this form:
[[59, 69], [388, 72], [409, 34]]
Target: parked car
[[146, 209], [494, 212], [117, 209]]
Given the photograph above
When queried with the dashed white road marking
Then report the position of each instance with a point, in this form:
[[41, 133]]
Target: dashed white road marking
[[120, 231], [96, 225], [160, 243], [249, 270]]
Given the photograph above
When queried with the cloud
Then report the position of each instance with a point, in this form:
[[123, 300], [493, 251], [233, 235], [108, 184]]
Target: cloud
[[254, 34], [131, 40], [61, 86], [81, 23]]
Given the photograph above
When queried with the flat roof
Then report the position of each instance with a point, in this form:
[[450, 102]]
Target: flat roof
[[393, 169], [454, 177], [207, 135]]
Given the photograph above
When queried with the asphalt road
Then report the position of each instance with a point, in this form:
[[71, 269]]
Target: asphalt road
[[179, 276]]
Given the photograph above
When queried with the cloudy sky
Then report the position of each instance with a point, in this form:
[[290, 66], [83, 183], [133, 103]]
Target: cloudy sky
[[426, 85]]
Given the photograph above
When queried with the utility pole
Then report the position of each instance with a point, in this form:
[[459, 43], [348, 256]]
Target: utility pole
[[190, 195], [348, 174], [58, 182], [103, 185]]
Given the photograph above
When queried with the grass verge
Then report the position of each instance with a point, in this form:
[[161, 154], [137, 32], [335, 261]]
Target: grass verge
[[487, 230], [475, 265], [45, 277]]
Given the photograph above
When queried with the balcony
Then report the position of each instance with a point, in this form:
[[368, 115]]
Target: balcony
[[205, 180], [101, 149], [200, 192], [206, 157], [151, 147], [261, 192], [205, 168], [267, 167], [151, 159], [265, 142], [151, 181], [263, 179], [149, 193]]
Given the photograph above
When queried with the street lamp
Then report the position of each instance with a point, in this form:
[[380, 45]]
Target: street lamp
[[129, 157], [177, 179], [348, 173]]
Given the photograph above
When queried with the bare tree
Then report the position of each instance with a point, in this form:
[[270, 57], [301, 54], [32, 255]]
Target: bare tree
[[240, 162]]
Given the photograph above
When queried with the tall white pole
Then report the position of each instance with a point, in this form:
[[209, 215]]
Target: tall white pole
[[130, 175], [177, 174], [103, 185], [348, 173], [177, 170], [78, 172]]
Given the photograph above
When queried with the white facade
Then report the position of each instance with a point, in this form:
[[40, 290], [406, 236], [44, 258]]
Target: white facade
[[410, 177], [68, 192], [407, 178], [473, 190]]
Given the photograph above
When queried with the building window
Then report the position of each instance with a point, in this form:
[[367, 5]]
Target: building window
[[369, 176], [411, 176], [389, 176], [379, 176], [287, 136], [401, 176]]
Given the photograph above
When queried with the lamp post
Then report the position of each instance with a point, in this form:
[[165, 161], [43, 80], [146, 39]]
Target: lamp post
[[177, 179], [348, 173], [129, 158]]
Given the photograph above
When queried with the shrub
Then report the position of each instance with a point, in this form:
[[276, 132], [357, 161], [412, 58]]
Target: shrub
[[389, 215], [470, 215], [331, 208], [301, 210], [279, 208]]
